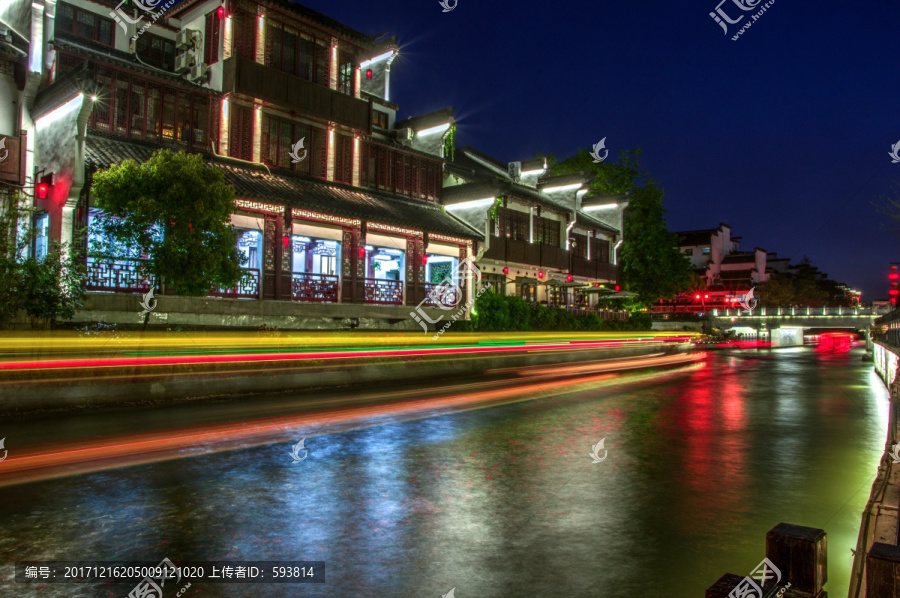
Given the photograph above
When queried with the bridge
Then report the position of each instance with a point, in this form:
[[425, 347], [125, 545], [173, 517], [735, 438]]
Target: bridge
[[782, 326]]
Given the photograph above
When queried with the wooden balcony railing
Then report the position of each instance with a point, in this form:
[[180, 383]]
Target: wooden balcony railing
[[116, 275], [594, 269], [247, 288], [510, 250], [315, 288], [383, 292], [247, 77]]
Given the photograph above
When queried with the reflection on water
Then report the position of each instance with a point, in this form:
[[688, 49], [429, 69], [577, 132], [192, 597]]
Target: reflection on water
[[504, 501]]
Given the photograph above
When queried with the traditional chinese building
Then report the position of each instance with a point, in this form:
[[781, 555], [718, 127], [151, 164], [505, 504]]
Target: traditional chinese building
[[335, 203], [338, 202], [546, 240]]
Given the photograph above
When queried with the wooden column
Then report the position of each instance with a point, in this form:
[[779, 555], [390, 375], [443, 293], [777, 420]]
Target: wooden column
[[348, 273], [285, 277], [271, 247], [359, 266]]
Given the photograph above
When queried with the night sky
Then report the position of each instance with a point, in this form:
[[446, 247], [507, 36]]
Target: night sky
[[783, 134]]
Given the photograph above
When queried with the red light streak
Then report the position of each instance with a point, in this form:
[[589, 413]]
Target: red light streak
[[259, 357]]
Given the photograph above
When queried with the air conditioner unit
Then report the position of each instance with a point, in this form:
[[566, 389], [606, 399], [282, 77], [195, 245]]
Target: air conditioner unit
[[189, 38], [515, 170], [184, 62], [198, 71]]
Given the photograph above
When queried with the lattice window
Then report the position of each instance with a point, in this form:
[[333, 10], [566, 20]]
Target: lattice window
[[244, 36], [343, 159], [579, 248], [546, 231], [240, 138], [213, 37], [513, 224], [600, 250], [85, 24], [129, 106], [346, 77]]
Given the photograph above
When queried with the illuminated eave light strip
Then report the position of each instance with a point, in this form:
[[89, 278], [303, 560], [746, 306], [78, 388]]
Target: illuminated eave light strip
[[61, 111], [371, 61], [431, 130], [476, 203], [563, 187], [533, 172], [605, 206]]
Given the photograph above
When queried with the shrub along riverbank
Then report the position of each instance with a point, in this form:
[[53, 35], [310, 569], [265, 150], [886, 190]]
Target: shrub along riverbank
[[498, 313]]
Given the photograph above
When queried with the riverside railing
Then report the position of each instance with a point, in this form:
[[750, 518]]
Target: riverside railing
[[797, 311]]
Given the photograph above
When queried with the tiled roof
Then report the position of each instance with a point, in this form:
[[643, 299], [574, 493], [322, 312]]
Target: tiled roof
[[483, 157], [252, 181], [79, 80], [498, 187], [425, 121], [67, 42]]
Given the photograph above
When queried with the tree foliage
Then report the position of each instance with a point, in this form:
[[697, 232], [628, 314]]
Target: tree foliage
[[650, 263], [45, 288], [803, 287], [176, 211], [503, 313]]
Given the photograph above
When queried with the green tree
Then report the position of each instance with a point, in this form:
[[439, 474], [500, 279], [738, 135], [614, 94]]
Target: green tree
[[46, 288], [176, 210], [651, 264], [609, 178]]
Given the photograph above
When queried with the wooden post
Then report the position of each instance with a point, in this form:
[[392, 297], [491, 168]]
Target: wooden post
[[800, 553], [883, 570]]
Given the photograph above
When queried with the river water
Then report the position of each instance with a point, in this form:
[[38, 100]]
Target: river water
[[502, 501]]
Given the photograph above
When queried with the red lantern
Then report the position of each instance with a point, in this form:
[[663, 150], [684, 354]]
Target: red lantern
[[706, 296], [540, 274], [368, 73], [893, 292], [286, 240], [43, 190], [362, 252], [505, 270], [894, 276], [220, 12], [617, 288], [569, 278], [424, 260], [696, 296]]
